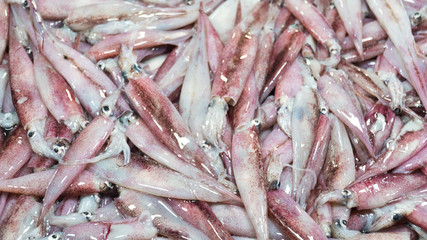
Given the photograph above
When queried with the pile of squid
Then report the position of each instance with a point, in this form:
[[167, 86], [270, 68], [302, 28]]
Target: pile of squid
[[213, 119]]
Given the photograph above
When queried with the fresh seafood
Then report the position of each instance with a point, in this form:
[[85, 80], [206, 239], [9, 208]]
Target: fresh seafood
[[213, 119]]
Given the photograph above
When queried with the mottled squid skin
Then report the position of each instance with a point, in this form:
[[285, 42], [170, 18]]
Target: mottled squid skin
[[213, 43], [200, 215], [140, 135], [237, 59], [338, 26], [35, 184], [265, 48], [26, 98], [248, 172], [110, 47], [86, 146], [170, 75], [57, 95], [285, 51], [339, 170], [285, 92], [416, 162], [133, 204], [316, 159], [380, 122], [376, 191], [317, 25], [4, 27], [87, 16], [103, 230], [296, 223], [369, 52], [25, 94], [392, 17], [238, 56], [165, 122], [141, 175], [368, 81], [305, 115], [16, 151], [54, 10], [22, 222], [417, 216], [236, 220], [344, 109], [409, 142], [351, 13]]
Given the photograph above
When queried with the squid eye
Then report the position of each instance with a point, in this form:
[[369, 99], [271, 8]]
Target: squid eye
[[31, 134], [106, 110], [55, 237], [60, 148], [88, 215], [346, 193], [101, 65], [137, 68], [397, 217], [323, 110], [416, 19], [25, 4]]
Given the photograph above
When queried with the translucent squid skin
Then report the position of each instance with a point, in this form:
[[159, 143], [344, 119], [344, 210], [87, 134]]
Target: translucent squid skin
[[286, 49], [87, 145], [383, 117], [294, 221], [376, 191], [146, 38], [237, 222], [417, 216], [400, 35], [173, 184], [351, 11], [16, 151], [200, 214], [168, 125], [213, 119], [4, 27], [54, 10], [238, 57], [409, 143], [35, 184], [57, 95], [169, 224], [21, 223], [247, 166], [344, 109], [125, 229], [316, 159], [318, 27]]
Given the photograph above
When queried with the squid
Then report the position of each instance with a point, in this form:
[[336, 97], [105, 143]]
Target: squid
[[296, 223], [317, 25], [85, 146], [4, 27], [344, 108], [238, 58], [374, 192], [31, 110], [141, 175], [392, 17]]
